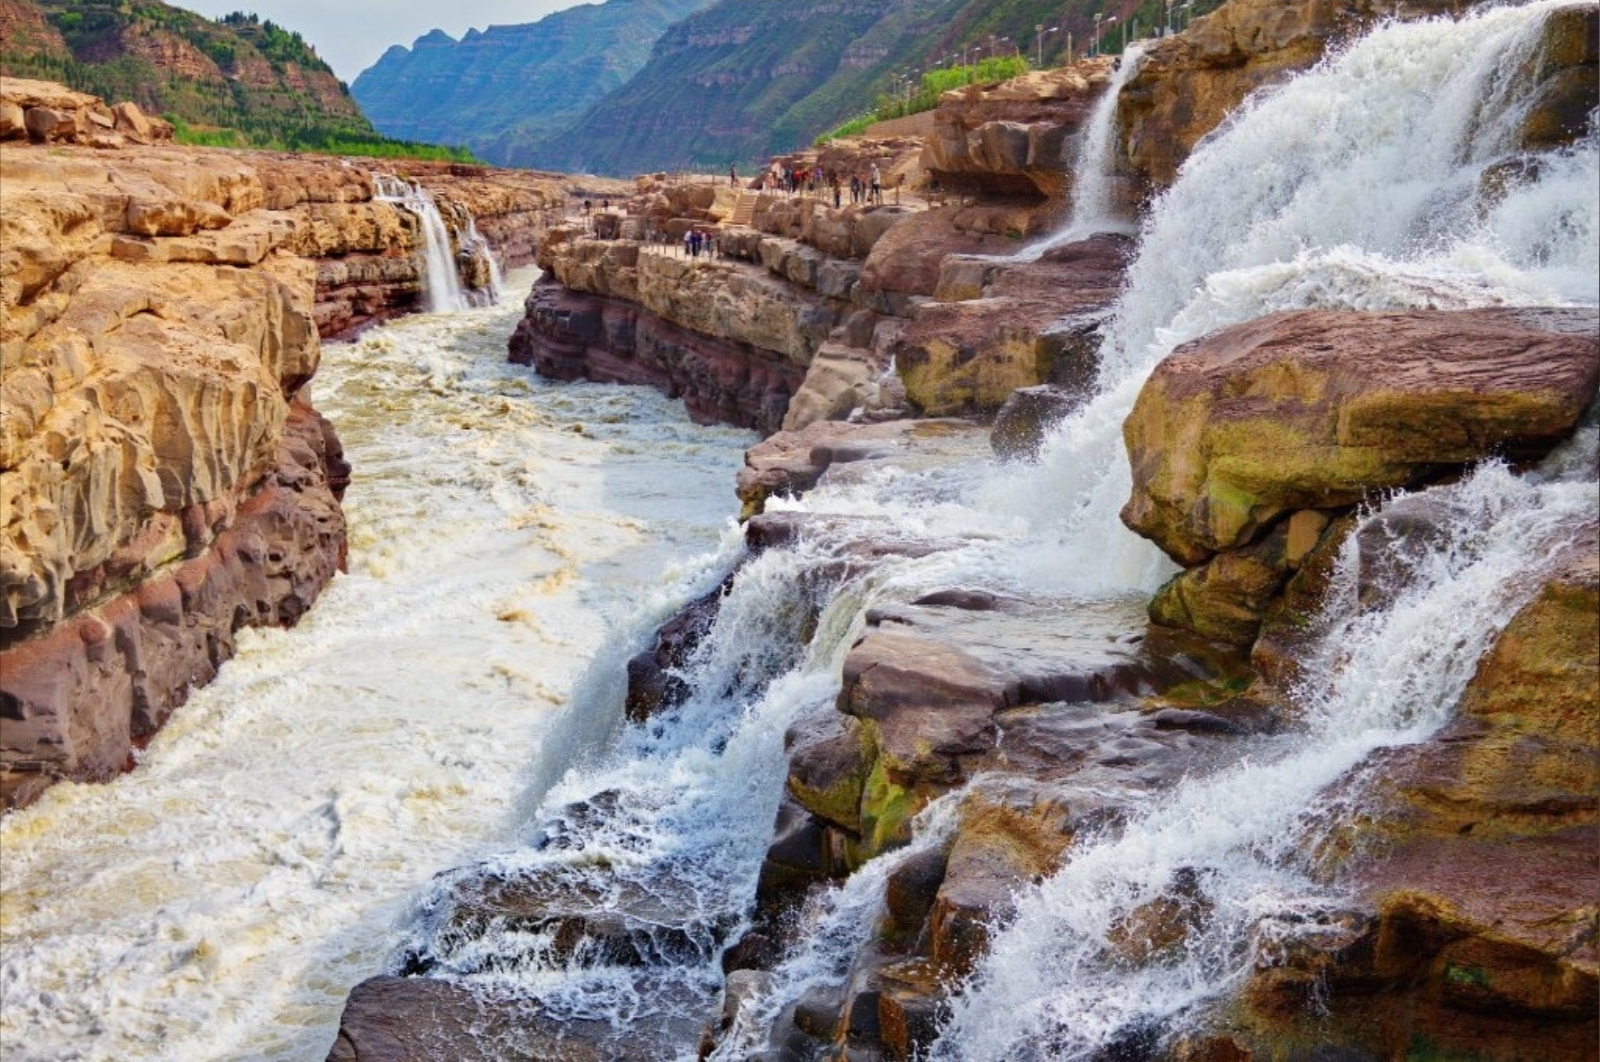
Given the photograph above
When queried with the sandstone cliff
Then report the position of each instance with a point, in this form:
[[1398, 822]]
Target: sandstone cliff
[[166, 480]]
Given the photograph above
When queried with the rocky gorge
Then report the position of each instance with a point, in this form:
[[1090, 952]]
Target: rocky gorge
[[996, 732], [167, 480], [1171, 646]]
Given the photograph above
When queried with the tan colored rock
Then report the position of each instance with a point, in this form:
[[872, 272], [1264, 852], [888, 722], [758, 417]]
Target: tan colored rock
[[132, 123], [1003, 840], [839, 380], [1187, 84], [1032, 323], [1477, 903], [13, 121], [905, 260], [717, 299], [1013, 138], [1314, 409]]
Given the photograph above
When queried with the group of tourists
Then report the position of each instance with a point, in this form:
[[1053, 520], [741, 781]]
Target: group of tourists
[[696, 242], [864, 187]]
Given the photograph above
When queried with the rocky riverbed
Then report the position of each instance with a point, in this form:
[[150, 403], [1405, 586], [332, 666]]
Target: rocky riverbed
[[1024, 702]]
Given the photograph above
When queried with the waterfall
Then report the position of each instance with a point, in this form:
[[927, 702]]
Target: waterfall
[[476, 244], [1351, 187], [678, 809], [1354, 187], [1094, 206], [677, 813], [441, 282], [1053, 985]]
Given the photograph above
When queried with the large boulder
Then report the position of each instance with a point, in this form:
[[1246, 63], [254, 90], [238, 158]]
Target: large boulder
[[1004, 325], [1316, 409]]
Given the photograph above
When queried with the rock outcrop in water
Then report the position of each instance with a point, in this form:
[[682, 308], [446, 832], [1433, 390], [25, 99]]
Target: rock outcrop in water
[[165, 478]]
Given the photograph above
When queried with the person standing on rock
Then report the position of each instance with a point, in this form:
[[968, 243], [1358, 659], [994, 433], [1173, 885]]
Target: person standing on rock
[[733, 175], [877, 185]]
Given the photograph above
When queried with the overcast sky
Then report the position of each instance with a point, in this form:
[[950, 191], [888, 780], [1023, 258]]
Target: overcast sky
[[351, 34]]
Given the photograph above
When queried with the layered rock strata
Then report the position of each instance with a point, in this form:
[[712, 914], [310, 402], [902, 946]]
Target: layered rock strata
[[837, 294], [165, 479]]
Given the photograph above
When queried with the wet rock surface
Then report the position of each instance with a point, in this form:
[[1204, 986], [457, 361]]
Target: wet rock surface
[[1313, 410], [422, 1019]]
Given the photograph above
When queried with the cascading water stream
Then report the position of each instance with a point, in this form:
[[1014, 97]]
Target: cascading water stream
[[1055, 984], [1243, 232], [441, 283], [1351, 187], [1094, 207], [217, 903], [1354, 186]]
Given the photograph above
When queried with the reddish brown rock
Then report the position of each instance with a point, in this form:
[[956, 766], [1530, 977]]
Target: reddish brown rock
[[905, 261], [1315, 409], [77, 698], [1476, 923], [792, 462], [571, 336], [420, 1019], [1031, 323]]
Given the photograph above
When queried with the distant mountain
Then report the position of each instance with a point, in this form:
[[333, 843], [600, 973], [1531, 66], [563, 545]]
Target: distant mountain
[[240, 74], [746, 79], [502, 91]]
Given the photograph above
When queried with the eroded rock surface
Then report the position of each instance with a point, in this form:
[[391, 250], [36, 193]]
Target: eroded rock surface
[[165, 480], [1313, 410]]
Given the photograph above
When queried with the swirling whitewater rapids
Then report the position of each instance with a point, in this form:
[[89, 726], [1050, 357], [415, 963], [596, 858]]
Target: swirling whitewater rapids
[[220, 900]]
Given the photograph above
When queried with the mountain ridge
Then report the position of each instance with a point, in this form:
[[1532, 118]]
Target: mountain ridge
[[476, 90]]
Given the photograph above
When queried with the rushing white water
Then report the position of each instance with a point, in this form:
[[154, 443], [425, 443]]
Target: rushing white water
[[219, 901], [1094, 207], [1352, 187], [1056, 986], [280, 834], [441, 283], [838, 923], [677, 812], [1355, 186]]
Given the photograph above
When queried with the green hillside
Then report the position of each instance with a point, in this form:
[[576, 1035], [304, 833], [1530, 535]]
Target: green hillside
[[746, 79], [239, 80], [502, 90]]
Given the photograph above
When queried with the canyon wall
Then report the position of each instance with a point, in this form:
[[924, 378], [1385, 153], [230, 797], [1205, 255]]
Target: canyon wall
[[166, 480]]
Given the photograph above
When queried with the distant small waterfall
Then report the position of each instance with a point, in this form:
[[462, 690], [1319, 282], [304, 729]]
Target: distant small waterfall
[[442, 290], [1093, 202]]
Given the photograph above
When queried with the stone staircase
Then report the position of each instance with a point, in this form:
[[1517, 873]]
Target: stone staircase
[[744, 211]]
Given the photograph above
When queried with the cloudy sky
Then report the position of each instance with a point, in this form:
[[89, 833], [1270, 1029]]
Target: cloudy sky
[[351, 34]]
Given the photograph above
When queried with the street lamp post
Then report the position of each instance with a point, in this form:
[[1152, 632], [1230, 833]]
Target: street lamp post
[[1042, 30]]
